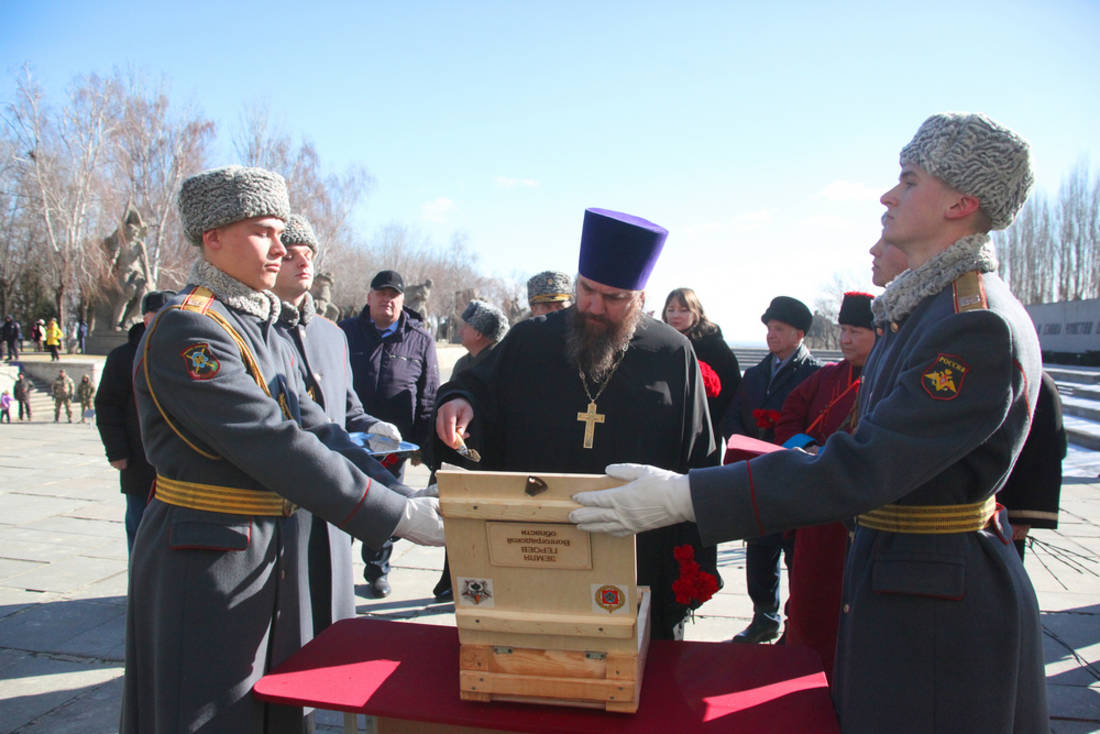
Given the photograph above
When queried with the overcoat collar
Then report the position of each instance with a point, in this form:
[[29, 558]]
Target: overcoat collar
[[264, 305], [973, 252]]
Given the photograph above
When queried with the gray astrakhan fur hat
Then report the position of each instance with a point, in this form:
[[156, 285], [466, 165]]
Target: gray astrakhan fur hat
[[549, 286], [977, 156], [299, 232], [222, 196], [486, 318]]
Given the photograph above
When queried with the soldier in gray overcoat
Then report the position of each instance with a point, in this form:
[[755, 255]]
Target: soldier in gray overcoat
[[322, 359], [939, 626], [216, 592]]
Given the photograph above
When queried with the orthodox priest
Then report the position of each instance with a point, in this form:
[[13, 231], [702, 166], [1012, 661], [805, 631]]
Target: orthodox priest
[[596, 383]]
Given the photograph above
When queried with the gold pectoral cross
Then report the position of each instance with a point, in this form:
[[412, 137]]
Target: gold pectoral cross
[[590, 418]]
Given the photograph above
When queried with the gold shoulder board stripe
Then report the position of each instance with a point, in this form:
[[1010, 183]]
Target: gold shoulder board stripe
[[970, 292]]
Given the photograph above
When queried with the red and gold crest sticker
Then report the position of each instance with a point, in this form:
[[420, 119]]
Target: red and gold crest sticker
[[200, 363], [943, 379], [610, 598]]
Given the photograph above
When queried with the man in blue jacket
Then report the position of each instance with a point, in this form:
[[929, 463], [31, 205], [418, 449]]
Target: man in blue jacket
[[396, 375]]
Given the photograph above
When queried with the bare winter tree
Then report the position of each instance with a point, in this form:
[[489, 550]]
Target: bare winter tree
[[62, 153], [1052, 251], [327, 200], [153, 149]]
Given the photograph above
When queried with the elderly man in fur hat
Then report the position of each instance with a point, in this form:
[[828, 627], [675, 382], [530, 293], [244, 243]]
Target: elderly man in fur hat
[[483, 326], [217, 583], [939, 626]]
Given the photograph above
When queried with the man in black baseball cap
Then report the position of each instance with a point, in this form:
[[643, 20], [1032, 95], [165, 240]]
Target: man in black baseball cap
[[395, 374]]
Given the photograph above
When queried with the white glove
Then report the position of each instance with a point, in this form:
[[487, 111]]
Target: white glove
[[421, 522], [384, 437], [653, 499], [432, 490]]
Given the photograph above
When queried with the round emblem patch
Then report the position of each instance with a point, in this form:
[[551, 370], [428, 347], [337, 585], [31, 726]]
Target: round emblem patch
[[200, 363], [610, 597]]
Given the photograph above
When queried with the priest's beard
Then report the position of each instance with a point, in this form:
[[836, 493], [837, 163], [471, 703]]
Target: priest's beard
[[593, 343]]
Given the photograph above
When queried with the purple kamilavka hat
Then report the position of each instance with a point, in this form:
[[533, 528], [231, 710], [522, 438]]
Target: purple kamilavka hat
[[619, 250]]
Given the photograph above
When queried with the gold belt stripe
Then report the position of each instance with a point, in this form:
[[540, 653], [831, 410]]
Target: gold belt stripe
[[216, 498], [930, 519]]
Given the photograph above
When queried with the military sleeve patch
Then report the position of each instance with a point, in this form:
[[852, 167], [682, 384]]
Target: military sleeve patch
[[200, 362], [943, 379]]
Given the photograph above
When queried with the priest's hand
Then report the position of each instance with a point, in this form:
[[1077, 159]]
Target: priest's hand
[[652, 499], [421, 522], [451, 420]]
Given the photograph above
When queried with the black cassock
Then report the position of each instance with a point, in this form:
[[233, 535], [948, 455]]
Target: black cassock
[[527, 398]]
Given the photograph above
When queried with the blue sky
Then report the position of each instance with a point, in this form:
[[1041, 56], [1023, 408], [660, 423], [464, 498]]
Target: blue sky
[[759, 134]]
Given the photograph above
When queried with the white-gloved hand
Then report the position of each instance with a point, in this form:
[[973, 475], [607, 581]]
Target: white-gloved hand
[[654, 498], [432, 490], [421, 522]]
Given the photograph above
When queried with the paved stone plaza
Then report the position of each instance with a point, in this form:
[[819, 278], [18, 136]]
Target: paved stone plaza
[[63, 585]]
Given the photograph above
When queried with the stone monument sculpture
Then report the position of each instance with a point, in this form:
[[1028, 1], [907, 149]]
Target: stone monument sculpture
[[322, 296], [130, 275], [416, 296]]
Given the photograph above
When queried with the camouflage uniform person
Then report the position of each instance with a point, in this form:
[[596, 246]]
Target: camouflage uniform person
[[61, 390], [85, 392]]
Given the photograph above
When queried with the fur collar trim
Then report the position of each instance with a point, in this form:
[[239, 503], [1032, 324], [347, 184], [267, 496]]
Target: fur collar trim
[[973, 252], [293, 315], [264, 305]]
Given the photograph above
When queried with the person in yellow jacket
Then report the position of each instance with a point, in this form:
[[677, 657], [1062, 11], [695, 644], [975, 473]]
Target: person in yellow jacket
[[53, 339]]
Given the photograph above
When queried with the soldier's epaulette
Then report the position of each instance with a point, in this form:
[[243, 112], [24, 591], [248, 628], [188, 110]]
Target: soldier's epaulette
[[970, 292], [199, 300]]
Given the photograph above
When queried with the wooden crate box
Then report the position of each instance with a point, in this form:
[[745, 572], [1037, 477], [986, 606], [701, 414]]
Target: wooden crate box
[[546, 613]]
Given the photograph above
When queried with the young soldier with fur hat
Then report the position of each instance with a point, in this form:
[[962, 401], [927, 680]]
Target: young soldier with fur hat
[[216, 583], [322, 359], [939, 628], [549, 291]]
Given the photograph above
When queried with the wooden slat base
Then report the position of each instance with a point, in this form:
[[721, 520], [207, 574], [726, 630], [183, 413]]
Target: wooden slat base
[[609, 681]]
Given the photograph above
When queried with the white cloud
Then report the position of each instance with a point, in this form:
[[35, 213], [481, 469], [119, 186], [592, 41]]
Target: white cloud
[[841, 190], [507, 182], [438, 210]]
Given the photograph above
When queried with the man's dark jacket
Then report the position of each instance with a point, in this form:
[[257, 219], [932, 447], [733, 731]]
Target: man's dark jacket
[[758, 391], [395, 377], [116, 416]]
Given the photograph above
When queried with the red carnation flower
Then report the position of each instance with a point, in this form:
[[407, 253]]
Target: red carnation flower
[[712, 383]]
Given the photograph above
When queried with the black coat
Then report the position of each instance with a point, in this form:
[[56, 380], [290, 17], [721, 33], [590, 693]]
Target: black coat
[[1034, 488], [712, 349], [116, 416], [758, 391]]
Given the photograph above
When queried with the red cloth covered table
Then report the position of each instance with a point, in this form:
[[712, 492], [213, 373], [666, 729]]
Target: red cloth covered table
[[409, 671]]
